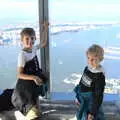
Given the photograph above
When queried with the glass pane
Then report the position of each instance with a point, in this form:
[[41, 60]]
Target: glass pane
[[75, 25], [14, 15]]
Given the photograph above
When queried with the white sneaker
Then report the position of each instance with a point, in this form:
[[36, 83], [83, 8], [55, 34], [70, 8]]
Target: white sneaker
[[74, 118], [43, 98], [19, 115]]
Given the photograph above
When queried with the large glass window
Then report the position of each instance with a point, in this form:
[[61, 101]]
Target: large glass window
[[14, 15], [75, 25]]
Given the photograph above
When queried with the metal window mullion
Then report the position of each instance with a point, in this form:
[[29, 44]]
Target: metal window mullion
[[43, 16]]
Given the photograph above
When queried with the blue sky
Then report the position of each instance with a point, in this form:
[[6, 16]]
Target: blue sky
[[60, 10]]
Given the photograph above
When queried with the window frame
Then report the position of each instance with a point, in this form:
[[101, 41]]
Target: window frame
[[44, 52]]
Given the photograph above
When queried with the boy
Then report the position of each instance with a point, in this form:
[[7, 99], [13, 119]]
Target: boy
[[89, 92], [30, 76]]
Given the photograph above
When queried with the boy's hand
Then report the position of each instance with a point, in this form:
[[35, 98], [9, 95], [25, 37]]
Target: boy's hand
[[44, 35], [45, 25], [38, 80], [77, 102], [90, 117]]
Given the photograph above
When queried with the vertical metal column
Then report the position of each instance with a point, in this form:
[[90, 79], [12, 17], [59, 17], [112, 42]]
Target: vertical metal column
[[43, 16]]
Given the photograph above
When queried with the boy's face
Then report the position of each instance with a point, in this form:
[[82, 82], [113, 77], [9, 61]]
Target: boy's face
[[28, 41], [92, 60]]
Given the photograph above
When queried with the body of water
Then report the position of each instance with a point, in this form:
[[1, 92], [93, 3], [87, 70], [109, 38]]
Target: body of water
[[67, 56]]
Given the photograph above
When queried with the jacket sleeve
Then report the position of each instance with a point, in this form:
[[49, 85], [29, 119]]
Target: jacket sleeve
[[97, 96]]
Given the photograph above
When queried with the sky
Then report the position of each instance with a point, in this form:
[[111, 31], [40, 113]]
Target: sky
[[85, 10], [14, 11], [18, 10]]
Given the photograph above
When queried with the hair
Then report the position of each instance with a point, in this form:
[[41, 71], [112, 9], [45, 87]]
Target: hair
[[28, 32], [96, 51]]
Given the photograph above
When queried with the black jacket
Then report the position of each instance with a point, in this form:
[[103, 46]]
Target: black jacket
[[93, 82]]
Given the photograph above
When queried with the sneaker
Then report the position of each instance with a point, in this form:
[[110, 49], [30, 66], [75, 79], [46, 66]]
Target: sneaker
[[19, 115], [33, 113], [43, 98], [74, 118]]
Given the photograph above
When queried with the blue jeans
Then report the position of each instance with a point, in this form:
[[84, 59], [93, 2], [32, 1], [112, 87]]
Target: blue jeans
[[85, 99]]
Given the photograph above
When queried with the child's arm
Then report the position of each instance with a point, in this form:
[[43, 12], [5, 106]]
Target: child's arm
[[23, 76], [44, 36], [97, 98], [20, 70]]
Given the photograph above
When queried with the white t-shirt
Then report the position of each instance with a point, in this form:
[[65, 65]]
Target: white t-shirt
[[24, 56]]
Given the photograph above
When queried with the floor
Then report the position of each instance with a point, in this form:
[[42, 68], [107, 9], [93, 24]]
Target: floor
[[65, 110]]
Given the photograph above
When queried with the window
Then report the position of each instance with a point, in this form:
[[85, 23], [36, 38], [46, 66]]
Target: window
[[75, 25], [14, 15]]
